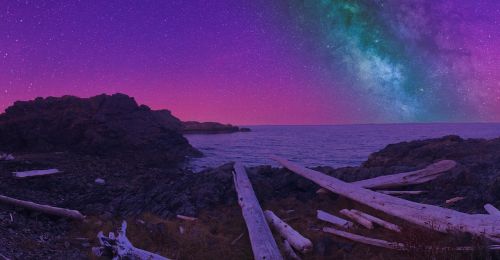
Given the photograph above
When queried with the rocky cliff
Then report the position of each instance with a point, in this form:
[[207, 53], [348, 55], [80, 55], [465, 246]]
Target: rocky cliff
[[102, 125]]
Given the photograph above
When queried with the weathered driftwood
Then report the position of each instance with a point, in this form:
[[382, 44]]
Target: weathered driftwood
[[377, 221], [429, 173], [6, 157], [492, 210], [186, 218], [357, 218], [288, 250], [121, 248], [4, 257], [325, 216], [237, 239], [402, 192], [364, 240], [453, 200], [69, 213], [430, 216], [295, 239], [263, 244], [394, 245], [35, 173]]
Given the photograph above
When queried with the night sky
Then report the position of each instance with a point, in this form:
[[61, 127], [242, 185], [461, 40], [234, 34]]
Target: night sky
[[261, 61]]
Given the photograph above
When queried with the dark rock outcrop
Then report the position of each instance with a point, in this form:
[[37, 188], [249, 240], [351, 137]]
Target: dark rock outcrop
[[102, 125], [193, 127]]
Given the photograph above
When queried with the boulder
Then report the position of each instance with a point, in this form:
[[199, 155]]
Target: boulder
[[104, 125]]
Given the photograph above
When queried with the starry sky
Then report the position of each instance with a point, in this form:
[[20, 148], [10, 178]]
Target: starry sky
[[260, 61]]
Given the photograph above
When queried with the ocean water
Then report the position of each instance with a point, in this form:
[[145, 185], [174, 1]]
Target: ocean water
[[334, 145]]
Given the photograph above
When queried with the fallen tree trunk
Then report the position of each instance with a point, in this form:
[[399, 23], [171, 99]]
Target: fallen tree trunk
[[402, 192], [378, 221], [492, 210], [120, 247], [69, 213], [263, 244], [35, 173], [357, 218], [432, 217], [295, 239], [394, 245], [325, 216], [429, 173]]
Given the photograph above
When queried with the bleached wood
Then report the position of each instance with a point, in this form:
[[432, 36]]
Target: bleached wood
[[492, 210], [357, 218], [378, 221], [288, 250], [429, 173], [121, 247], [186, 218], [69, 213], [365, 240], [237, 239], [402, 192], [6, 157], [263, 244], [453, 200], [295, 239], [325, 216], [394, 245], [430, 216], [35, 173]]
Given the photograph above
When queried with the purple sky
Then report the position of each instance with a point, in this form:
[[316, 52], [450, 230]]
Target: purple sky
[[261, 62]]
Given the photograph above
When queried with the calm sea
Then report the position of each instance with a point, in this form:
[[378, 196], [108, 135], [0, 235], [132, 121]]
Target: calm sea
[[336, 146]]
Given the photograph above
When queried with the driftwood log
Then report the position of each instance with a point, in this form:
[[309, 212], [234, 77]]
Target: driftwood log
[[295, 239], [35, 173], [325, 216], [492, 210], [430, 216], [288, 250], [6, 157], [357, 218], [378, 221], [393, 245], [263, 244], [402, 192], [69, 213], [429, 173], [121, 248]]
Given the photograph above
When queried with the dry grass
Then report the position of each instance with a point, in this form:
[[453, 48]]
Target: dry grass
[[211, 235]]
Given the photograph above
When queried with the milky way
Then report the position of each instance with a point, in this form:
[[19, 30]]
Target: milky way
[[261, 61], [412, 60]]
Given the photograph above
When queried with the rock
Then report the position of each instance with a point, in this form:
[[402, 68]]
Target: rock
[[193, 127], [104, 125], [100, 181]]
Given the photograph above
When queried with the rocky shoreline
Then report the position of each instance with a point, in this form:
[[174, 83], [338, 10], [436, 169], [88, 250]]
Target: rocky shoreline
[[114, 140], [132, 189]]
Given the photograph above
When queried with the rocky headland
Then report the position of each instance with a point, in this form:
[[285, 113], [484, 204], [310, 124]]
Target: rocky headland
[[193, 127], [89, 139]]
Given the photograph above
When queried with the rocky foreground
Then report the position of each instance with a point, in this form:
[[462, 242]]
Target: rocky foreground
[[121, 161]]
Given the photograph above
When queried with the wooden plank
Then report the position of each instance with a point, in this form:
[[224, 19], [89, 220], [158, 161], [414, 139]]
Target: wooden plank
[[325, 216], [357, 218], [378, 221], [263, 244], [35, 173], [430, 216]]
